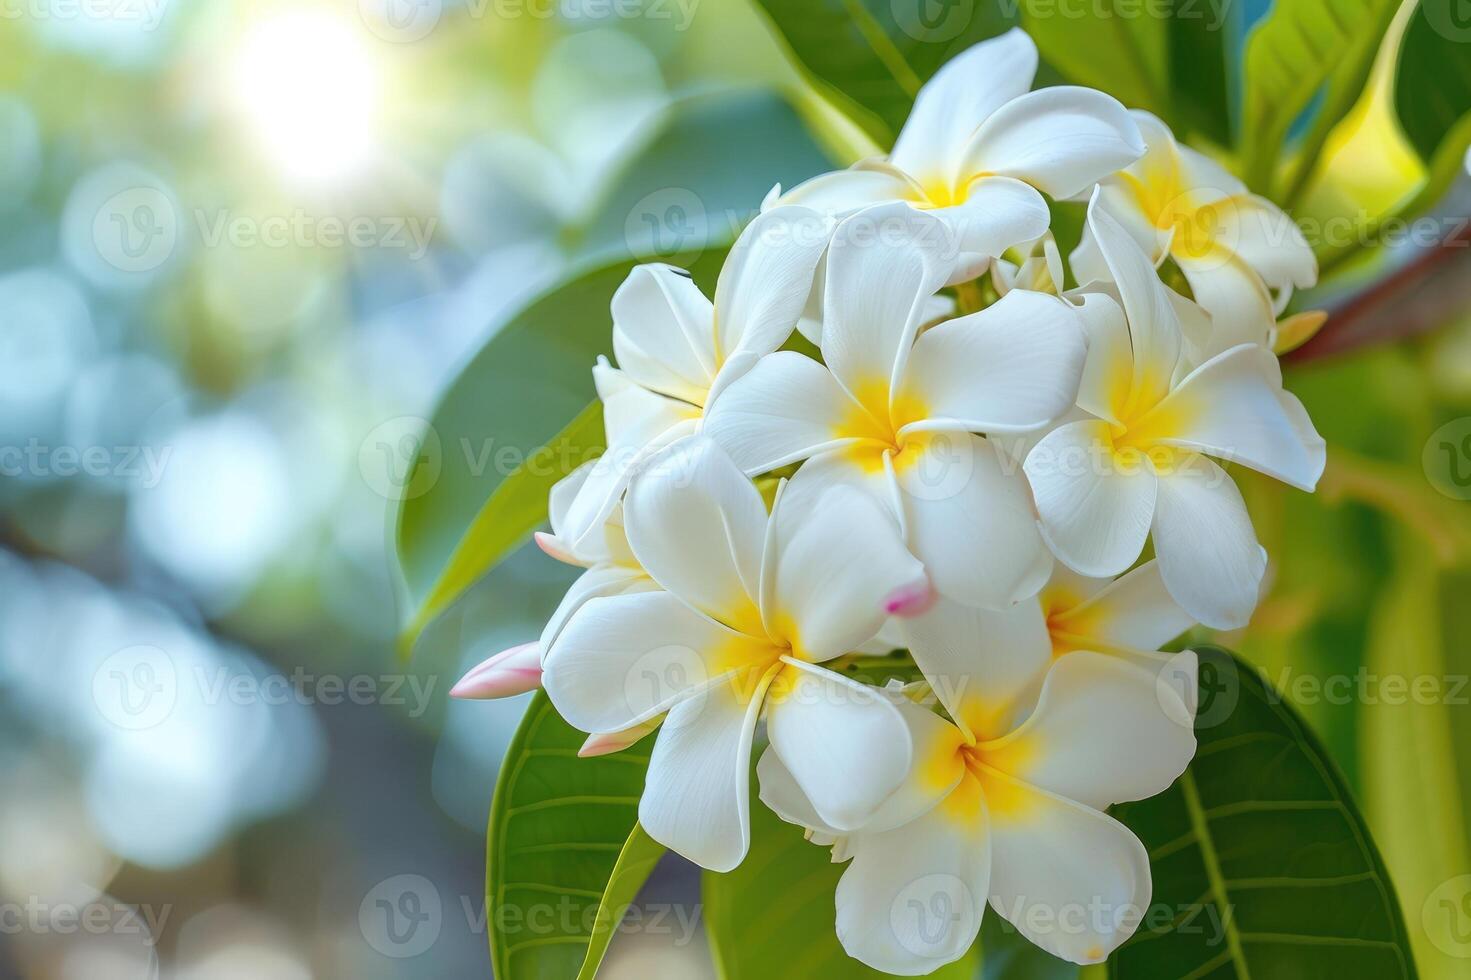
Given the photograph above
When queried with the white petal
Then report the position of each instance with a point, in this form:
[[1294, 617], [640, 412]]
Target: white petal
[[1101, 734], [623, 659], [1074, 881], [596, 582], [1153, 326], [1061, 140], [1135, 610], [969, 519], [846, 745], [981, 662], [912, 899], [1239, 305], [836, 567], [1108, 372], [783, 795], [663, 332], [1013, 366], [958, 98], [1266, 239], [1208, 552], [766, 279], [696, 795], [697, 526], [1234, 407], [1123, 205], [1095, 509], [997, 213], [786, 408], [883, 267], [843, 192]]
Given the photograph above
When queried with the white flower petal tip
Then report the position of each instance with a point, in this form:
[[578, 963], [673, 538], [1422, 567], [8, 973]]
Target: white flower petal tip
[[508, 673], [610, 742], [554, 547], [913, 599]]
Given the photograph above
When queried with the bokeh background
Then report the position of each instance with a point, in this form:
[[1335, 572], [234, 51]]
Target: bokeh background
[[243, 248]]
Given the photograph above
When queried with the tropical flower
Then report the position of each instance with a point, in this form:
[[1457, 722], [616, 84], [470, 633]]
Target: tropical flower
[[893, 410], [676, 350], [1006, 815], [1138, 462], [978, 146], [1240, 253], [753, 605]]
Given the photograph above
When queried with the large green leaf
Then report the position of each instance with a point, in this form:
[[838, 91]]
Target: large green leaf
[[517, 395], [1200, 35], [1432, 83], [1106, 44], [773, 916], [564, 852], [869, 57], [1302, 50], [1263, 866]]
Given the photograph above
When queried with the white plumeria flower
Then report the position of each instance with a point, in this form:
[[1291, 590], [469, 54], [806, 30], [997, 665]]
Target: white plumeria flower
[[753, 604], [1240, 253], [893, 410], [676, 350], [1006, 815], [978, 146], [1137, 463]]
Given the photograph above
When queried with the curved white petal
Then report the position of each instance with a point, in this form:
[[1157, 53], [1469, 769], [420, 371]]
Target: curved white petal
[[786, 408], [1095, 508], [1135, 610], [997, 213], [844, 743], [1013, 366], [912, 898], [696, 795], [783, 795], [1074, 881], [596, 582], [968, 517], [1102, 733], [981, 663], [1208, 553], [697, 525], [1239, 305], [1234, 407], [962, 95], [621, 660], [1124, 206], [842, 192], [884, 265], [663, 332], [1060, 139], [1154, 330], [836, 567], [766, 279], [1266, 239], [1108, 371]]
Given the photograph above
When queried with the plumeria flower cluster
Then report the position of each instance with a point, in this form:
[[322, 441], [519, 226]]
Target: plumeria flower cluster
[[973, 483]]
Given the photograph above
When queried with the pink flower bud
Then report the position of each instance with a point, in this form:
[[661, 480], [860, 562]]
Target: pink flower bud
[[510, 672]]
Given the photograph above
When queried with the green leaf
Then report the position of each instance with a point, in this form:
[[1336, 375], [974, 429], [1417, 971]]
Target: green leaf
[[1198, 42], [517, 395], [1301, 50], [1106, 44], [515, 508], [1408, 745], [564, 852], [1432, 82], [870, 57], [774, 915], [1263, 866]]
